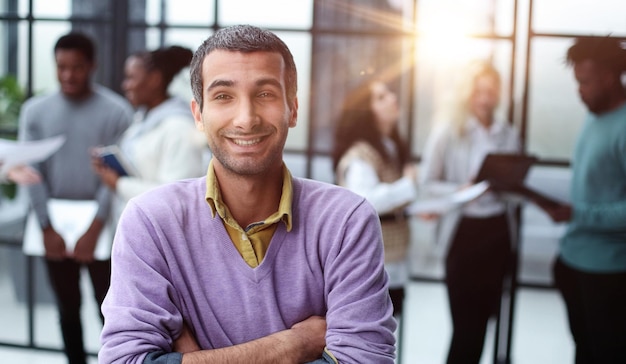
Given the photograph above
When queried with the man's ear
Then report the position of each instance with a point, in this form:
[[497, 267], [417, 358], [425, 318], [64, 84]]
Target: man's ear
[[293, 118], [197, 114], [92, 67]]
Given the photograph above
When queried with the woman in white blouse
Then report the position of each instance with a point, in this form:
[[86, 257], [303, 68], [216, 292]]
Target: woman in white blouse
[[162, 144], [480, 245], [371, 159]]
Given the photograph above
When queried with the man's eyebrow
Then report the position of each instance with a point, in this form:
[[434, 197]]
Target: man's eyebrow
[[218, 83], [260, 82], [269, 81]]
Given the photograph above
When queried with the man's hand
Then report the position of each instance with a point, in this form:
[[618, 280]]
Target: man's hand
[[558, 213], [23, 175], [53, 244], [86, 244]]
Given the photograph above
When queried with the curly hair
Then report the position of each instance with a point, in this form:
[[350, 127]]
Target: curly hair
[[77, 41], [605, 52]]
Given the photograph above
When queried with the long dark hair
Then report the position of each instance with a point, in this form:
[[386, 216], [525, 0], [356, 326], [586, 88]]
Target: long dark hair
[[357, 122]]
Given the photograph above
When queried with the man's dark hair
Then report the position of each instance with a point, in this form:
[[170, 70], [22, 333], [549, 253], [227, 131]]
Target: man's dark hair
[[77, 41], [605, 52], [246, 39]]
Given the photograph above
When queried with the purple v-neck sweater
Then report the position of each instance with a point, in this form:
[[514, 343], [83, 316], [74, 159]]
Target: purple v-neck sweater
[[173, 261]]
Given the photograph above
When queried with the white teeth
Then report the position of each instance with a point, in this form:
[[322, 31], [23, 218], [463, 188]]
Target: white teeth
[[246, 142]]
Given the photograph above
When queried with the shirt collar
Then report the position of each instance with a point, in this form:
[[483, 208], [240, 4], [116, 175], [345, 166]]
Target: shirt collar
[[214, 198], [473, 125]]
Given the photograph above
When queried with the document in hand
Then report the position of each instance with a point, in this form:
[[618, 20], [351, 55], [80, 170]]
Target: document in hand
[[27, 152], [113, 157]]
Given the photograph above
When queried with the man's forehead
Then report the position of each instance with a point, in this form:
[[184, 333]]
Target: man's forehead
[[227, 59], [232, 65]]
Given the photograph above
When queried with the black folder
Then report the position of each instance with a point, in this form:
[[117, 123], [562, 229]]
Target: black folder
[[507, 172], [505, 169]]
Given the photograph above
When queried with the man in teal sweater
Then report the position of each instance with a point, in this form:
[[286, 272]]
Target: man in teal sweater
[[590, 271]]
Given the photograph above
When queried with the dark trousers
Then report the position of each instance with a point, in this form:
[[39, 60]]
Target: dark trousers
[[475, 268], [397, 299], [596, 309], [64, 278]]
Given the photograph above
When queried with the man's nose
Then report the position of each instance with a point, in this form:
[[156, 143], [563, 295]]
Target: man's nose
[[247, 116]]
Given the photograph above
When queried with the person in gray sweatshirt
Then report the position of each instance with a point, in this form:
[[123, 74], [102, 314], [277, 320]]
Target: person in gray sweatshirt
[[70, 207]]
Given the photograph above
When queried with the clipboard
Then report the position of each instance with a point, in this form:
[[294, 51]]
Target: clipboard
[[507, 173], [505, 169]]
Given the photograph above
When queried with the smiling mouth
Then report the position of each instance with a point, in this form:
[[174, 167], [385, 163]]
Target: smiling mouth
[[246, 142]]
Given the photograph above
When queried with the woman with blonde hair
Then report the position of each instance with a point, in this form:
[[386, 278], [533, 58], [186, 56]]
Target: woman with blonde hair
[[480, 245]]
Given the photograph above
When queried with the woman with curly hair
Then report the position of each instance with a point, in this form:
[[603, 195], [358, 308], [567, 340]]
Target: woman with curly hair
[[371, 159]]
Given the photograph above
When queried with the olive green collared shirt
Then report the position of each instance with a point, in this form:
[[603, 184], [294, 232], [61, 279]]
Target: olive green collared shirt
[[253, 241]]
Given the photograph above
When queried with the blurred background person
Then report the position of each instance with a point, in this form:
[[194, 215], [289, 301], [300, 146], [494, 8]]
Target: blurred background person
[[371, 159], [590, 270], [88, 115], [162, 144], [476, 261]]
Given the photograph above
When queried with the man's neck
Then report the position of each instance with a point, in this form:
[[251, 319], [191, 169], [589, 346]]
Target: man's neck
[[611, 106], [79, 97], [250, 199]]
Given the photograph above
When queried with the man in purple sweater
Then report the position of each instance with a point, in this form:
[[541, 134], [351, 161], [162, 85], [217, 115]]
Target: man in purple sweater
[[247, 264]]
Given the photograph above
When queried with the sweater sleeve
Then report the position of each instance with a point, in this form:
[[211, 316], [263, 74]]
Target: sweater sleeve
[[607, 213], [38, 193], [610, 216], [360, 323], [140, 309]]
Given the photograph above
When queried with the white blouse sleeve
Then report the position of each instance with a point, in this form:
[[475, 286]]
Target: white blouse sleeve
[[362, 179]]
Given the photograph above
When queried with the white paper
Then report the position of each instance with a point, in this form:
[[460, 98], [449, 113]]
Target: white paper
[[443, 204], [70, 219], [470, 193], [430, 206], [27, 152]]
